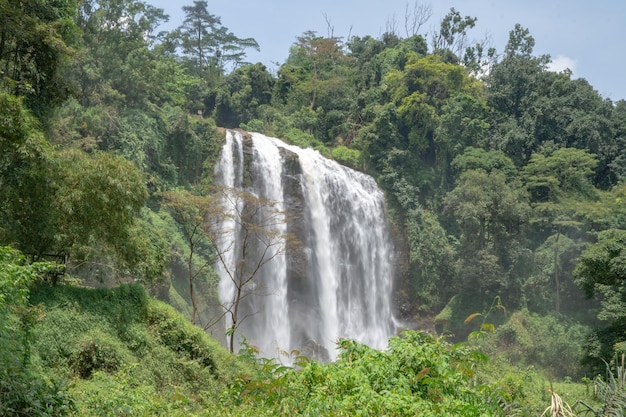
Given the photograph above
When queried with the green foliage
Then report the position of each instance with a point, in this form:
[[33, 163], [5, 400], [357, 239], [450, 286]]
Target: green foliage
[[452, 33], [189, 341], [490, 211], [565, 171], [24, 178], [417, 375], [600, 272], [207, 44], [23, 390], [346, 156], [545, 342], [15, 278], [36, 40], [488, 161], [459, 318], [612, 392], [463, 123], [133, 354], [445, 146], [243, 91], [97, 351]]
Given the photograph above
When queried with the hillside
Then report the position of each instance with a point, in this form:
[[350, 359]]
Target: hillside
[[117, 351]]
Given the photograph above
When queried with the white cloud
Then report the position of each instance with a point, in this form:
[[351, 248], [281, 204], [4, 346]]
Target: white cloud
[[561, 63]]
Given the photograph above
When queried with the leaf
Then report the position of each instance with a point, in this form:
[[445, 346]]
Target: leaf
[[475, 335], [471, 317], [487, 327]]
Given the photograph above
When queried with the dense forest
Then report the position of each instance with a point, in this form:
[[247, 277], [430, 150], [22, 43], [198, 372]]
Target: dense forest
[[505, 183]]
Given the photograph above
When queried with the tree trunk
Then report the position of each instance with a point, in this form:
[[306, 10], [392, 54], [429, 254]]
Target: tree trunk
[[234, 317], [192, 296], [557, 281]]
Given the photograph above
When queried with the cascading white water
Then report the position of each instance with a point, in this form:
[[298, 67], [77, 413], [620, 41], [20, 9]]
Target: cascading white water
[[339, 283], [229, 170]]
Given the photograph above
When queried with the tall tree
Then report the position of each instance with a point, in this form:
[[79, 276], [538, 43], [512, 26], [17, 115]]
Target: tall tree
[[241, 94], [208, 44], [452, 34], [191, 211], [25, 179], [559, 184], [36, 38], [601, 273], [490, 211]]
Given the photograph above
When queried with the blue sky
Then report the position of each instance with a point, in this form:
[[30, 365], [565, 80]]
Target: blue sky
[[589, 37]]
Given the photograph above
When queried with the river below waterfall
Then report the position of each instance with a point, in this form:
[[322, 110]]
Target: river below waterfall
[[337, 281]]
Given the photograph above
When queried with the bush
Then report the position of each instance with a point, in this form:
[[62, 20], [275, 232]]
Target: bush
[[97, 351], [24, 390], [181, 336], [418, 374], [123, 395], [546, 342], [26, 393], [347, 156]]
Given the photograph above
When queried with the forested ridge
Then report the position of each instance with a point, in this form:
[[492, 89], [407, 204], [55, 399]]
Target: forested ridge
[[505, 183]]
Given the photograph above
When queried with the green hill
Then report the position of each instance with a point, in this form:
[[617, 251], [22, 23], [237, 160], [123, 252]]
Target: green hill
[[125, 353]]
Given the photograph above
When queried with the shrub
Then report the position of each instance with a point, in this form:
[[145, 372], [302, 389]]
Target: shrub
[[347, 156], [26, 393], [418, 374], [97, 351], [547, 342]]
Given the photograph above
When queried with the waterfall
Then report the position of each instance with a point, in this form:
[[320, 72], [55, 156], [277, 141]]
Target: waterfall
[[334, 279]]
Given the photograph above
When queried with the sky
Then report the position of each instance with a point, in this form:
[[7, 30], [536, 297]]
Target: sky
[[586, 36]]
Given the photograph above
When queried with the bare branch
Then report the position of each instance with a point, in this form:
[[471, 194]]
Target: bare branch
[[391, 25], [330, 29], [416, 17], [254, 225]]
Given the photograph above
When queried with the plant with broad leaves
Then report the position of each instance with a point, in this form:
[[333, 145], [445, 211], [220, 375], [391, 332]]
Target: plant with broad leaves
[[485, 327]]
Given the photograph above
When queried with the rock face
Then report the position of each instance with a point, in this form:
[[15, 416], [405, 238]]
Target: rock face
[[335, 280]]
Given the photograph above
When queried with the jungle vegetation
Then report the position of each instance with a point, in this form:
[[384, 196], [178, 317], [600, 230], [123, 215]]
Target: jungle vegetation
[[505, 181]]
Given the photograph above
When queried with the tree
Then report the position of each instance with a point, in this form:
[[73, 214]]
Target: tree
[[208, 44], [239, 232], [489, 211], [601, 273], [562, 173], [113, 31], [520, 43], [462, 124], [243, 91], [488, 161], [36, 38], [415, 17], [195, 34], [422, 91], [97, 203], [559, 184], [618, 162], [602, 268], [191, 212], [452, 35], [27, 188], [247, 234], [313, 69]]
